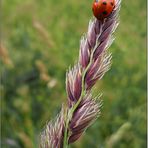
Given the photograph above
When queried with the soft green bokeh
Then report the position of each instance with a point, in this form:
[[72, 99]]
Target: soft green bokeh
[[33, 74]]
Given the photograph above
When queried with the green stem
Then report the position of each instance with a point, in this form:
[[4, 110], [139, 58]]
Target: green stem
[[70, 113]]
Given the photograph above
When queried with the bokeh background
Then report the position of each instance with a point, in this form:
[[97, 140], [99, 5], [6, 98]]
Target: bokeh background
[[40, 41]]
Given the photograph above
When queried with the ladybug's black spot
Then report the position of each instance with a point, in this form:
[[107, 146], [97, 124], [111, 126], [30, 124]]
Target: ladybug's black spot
[[111, 3], [104, 3], [104, 12]]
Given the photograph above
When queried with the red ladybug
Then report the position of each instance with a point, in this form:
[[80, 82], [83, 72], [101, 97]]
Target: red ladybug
[[102, 8]]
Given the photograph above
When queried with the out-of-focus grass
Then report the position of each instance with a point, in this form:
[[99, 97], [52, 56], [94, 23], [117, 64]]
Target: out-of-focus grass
[[42, 41]]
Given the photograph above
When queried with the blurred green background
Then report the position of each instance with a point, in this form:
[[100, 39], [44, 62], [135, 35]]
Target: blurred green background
[[40, 41]]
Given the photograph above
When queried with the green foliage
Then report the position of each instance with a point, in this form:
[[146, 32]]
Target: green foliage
[[33, 83]]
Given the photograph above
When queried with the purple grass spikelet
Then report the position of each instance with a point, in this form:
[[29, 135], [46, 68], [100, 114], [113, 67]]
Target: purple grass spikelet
[[74, 84], [87, 111], [52, 135]]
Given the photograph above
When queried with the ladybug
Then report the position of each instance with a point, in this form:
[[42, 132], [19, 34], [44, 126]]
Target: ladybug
[[102, 8]]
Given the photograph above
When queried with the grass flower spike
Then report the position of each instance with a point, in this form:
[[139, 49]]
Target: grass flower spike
[[82, 108]]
